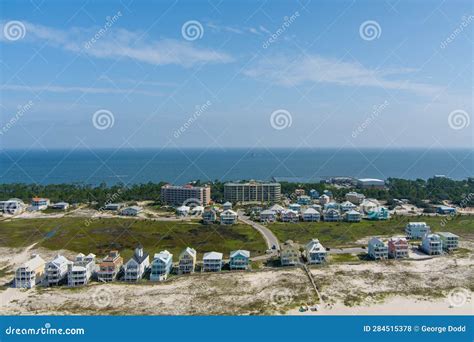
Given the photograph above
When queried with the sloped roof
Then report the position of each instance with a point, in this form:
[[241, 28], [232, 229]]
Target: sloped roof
[[267, 212], [315, 246], [375, 240], [212, 256], [242, 252], [35, 262], [190, 251]]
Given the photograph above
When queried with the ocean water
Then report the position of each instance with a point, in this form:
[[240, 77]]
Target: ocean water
[[180, 166]]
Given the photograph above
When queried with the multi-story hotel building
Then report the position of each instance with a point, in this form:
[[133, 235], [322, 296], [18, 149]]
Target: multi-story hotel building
[[179, 195], [252, 192]]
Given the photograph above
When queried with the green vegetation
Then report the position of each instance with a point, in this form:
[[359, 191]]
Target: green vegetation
[[124, 234], [417, 191], [343, 234], [334, 258]]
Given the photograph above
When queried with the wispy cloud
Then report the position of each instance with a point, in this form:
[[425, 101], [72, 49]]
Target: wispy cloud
[[121, 43], [240, 30], [317, 69], [69, 89]]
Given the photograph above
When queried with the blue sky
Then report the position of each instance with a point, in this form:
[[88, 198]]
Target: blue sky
[[327, 82]]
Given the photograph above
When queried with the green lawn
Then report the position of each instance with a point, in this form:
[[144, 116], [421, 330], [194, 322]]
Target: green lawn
[[124, 234], [339, 234]]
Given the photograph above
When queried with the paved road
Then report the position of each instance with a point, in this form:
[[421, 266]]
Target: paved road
[[267, 234]]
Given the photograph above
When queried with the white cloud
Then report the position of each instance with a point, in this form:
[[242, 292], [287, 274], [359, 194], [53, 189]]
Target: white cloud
[[120, 43], [317, 69]]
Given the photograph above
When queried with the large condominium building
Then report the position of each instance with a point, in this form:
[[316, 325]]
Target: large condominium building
[[252, 192], [186, 194]]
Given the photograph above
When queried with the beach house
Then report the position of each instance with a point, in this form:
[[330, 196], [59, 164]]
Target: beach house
[[289, 254], [12, 206], [331, 215], [227, 206], [239, 260], [314, 194], [431, 244], [416, 230], [355, 197], [56, 270], [331, 205], [187, 261], [268, 216], [39, 203], [81, 270], [304, 200], [377, 249], [131, 211], [60, 206], [228, 217], [30, 273], [209, 216], [378, 213], [323, 199], [352, 216], [368, 205], [347, 206], [161, 266], [397, 248], [182, 211], [212, 262], [277, 209], [449, 240], [295, 207], [289, 216], [315, 252], [110, 266], [137, 265], [311, 215]]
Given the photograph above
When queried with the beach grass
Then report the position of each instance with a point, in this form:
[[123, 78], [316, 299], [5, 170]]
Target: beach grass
[[101, 235]]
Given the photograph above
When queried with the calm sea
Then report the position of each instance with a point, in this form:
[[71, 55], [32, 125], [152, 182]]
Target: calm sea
[[179, 166]]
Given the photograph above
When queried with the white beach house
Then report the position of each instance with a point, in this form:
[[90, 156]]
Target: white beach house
[[212, 262], [239, 260], [449, 240], [377, 249], [131, 211], [352, 216], [30, 273], [161, 266], [432, 244], [12, 206], [228, 217], [187, 261], [311, 215], [347, 206], [136, 267], [289, 216], [315, 252], [416, 230], [268, 216], [56, 270], [331, 215], [209, 216], [81, 270]]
